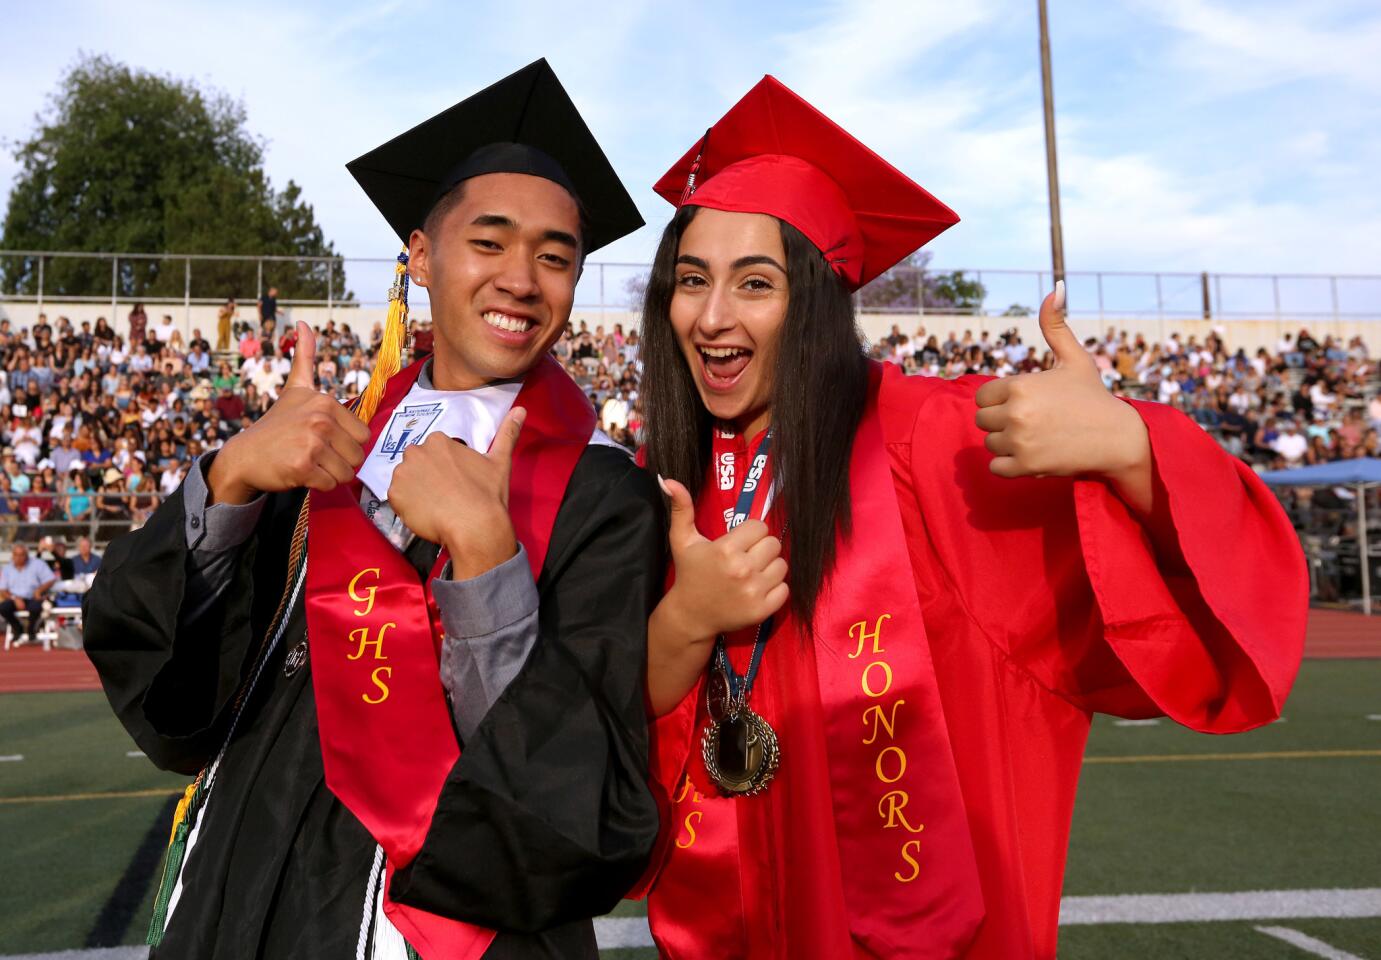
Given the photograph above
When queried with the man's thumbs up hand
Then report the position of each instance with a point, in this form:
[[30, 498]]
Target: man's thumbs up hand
[[306, 439], [458, 497], [1062, 421]]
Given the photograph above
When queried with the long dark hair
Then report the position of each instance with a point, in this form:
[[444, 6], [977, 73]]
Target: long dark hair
[[819, 390]]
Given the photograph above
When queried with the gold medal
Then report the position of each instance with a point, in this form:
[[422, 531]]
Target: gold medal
[[741, 752]]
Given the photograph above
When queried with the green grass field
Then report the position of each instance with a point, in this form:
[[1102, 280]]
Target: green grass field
[[84, 824]]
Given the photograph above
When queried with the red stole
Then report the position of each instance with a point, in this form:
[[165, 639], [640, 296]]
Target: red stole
[[861, 845], [375, 635]]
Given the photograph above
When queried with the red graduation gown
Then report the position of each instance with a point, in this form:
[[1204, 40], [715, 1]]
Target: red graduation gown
[[1043, 601]]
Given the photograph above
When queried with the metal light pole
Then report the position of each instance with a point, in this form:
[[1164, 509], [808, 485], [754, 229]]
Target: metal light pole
[[1057, 240]]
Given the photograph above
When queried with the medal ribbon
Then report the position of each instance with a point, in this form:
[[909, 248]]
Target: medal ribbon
[[374, 632], [756, 483]]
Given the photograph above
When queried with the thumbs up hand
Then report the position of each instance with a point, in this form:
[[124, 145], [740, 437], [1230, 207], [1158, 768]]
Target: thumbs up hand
[[306, 439], [722, 585], [453, 495], [1063, 422]]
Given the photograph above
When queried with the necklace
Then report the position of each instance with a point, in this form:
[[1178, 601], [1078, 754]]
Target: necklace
[[739, 747]]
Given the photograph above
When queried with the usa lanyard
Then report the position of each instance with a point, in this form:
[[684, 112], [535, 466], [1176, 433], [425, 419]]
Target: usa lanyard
[[739, 687]]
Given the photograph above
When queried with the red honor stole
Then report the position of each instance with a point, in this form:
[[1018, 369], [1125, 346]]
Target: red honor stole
[[861, 845], [374, 630]]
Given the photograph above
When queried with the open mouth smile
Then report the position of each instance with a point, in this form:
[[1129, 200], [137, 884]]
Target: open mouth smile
[[723, 367], [510, 328]]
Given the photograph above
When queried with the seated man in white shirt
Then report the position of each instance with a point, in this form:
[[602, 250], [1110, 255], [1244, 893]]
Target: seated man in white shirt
[[23, 583], [1291, 444], [266, 378]]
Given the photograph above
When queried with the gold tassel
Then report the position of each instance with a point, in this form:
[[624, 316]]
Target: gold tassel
[[180, 812], [390, 357], [172, 861]]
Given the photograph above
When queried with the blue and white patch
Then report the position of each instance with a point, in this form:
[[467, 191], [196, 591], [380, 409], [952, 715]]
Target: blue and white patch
[[408, 425]]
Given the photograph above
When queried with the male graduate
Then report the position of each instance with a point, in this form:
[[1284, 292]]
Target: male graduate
[[403, 647]]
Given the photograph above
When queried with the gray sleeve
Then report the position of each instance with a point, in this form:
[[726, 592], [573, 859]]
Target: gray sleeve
[[214, 536], [491, 627]]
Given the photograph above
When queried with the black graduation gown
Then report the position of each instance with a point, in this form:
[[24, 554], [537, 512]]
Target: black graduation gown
[[546, 819]]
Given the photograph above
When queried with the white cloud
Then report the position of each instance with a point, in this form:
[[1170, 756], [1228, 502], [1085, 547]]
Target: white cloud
[[1126, 212], [862, 49], [1263, 46]]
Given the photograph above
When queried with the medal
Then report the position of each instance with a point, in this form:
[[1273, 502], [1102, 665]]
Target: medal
[[741, 753]]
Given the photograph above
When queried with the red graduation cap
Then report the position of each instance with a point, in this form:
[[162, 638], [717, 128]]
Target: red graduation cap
[[774, 153]]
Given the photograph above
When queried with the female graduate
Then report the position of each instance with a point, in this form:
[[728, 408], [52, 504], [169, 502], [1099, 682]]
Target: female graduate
[[897, 601]]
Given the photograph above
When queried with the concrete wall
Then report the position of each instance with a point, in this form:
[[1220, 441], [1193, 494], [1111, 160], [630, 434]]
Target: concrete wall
[[1246, 333]]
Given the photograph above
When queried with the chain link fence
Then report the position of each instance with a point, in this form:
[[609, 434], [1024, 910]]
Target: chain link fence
[[172, 282]]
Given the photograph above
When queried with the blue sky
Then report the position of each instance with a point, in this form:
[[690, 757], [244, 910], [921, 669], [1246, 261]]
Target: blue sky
[[1193, 134]]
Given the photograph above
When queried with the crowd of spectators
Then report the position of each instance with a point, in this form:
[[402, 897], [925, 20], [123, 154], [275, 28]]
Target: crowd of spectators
[[97, 431], [1305, 402], [607, 366], [99, 426]]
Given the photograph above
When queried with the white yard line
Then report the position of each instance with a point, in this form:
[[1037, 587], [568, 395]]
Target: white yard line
[[1198, 907], [12, 758], [1307, 943], [135, 753], [1151, 722], [614, 932], [622, 932]]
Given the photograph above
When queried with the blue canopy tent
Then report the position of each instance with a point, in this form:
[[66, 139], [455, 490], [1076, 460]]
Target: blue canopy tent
[[1361, 473]]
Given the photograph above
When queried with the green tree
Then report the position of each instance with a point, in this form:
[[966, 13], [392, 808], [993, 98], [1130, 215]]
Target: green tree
[[909, 283], [129, 161]]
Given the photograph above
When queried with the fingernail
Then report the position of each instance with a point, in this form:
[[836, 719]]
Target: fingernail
[[663, 484], [1060, 295]]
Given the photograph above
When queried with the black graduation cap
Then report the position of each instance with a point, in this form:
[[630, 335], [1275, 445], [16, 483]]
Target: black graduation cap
[[525, 123]]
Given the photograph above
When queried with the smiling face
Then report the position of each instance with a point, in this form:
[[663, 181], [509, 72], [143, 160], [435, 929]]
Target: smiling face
[[500, 266], [728, 308]]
